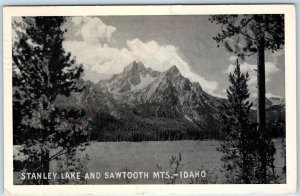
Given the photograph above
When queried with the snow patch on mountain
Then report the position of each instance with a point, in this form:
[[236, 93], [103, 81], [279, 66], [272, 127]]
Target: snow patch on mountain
[[133, 77], [145, 81]]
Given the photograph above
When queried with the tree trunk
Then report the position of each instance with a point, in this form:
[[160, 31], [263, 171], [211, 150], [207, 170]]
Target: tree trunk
[[45, 165], [261, 110]]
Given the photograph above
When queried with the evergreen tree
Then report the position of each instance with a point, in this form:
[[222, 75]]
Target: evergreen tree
[[241, 142], [236, 129], [246, 35], [42, 70]]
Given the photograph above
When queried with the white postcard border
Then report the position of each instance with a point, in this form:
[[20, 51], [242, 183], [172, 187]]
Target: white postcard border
[[290, 93]]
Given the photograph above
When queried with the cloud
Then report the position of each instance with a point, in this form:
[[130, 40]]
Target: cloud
[[232, 58], [222, 94], [93, 50], [270, 68], [92, 29], [161, 58]]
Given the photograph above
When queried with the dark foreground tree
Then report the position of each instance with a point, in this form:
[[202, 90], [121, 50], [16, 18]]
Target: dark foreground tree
[[242, 142], [42, 70], [236, 146], [246, 35]]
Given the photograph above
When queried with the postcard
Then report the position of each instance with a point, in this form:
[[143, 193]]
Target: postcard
[[164, 99]]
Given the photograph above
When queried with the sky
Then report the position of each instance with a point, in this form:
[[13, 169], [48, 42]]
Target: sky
[[106, 44]]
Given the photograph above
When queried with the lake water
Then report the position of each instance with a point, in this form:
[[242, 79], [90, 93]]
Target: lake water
[[151, 157]]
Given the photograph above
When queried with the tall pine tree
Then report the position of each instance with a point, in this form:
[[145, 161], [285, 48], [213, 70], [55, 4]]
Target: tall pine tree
[[42, 70], [242, 142]]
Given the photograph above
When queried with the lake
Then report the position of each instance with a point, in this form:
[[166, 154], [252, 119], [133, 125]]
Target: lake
[[109, 159]]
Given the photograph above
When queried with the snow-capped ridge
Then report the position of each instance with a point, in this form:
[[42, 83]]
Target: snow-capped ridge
[[135, 76]]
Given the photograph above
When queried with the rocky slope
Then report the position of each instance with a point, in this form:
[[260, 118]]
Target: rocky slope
[[150, 93], [140, 102]]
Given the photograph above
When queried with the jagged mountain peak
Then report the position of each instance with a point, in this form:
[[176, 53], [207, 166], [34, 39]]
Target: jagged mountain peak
[[133, 77], [135, 67], [136, 77], [173, 70]]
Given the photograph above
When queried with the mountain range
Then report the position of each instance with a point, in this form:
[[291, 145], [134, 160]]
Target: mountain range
[[146, 104]]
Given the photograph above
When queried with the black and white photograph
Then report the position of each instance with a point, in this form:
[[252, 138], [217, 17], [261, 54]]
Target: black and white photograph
[[149, 99]]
